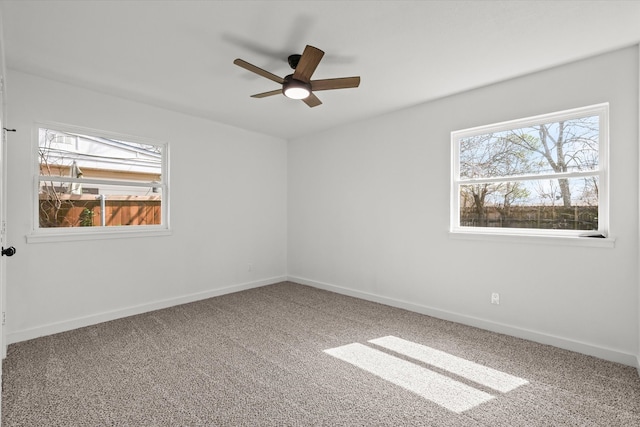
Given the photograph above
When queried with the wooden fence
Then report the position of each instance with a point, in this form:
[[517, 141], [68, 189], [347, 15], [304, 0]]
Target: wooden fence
[[85, 210], [538, 217]]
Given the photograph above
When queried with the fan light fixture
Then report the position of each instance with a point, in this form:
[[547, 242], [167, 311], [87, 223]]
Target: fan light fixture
[[295, 89]]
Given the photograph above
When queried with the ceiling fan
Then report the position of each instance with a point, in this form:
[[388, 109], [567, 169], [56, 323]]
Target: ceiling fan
[[299, 84]]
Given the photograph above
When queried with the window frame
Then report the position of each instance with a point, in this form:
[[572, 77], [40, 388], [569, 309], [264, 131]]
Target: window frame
[[57, 234], [578, 237]]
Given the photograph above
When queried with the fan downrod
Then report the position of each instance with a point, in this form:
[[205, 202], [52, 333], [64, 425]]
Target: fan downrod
[[293, 60]]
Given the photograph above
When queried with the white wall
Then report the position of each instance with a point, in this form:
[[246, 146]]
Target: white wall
[[228, 209], [369, 216]]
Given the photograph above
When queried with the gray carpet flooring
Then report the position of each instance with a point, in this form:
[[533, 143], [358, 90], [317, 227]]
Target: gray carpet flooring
[[292, 355]]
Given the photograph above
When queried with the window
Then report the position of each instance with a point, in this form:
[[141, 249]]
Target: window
[[96, 183], [541, 176]]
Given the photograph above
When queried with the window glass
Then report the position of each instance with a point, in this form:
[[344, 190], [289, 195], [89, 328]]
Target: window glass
[[86, 180]]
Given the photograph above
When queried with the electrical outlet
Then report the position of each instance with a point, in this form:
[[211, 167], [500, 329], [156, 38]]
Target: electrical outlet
[[250, 267], [495, 298]]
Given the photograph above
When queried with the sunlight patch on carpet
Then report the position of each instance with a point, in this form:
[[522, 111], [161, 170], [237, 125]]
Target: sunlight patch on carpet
[[438, 388], [480, 374]]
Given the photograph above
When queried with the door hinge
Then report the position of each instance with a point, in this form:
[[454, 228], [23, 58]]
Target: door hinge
[[4, 317]]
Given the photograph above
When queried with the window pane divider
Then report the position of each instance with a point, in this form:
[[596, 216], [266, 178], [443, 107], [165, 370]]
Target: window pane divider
[[532, 177], [100, 181]]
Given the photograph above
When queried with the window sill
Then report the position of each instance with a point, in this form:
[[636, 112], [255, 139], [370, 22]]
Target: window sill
[[46, 237], [594, 242]]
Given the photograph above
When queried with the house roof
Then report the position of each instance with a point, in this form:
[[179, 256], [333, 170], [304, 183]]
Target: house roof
[[179, 54]]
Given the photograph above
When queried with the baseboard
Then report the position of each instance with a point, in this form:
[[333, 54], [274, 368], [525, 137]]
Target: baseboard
[[67, 325], [540, 337]]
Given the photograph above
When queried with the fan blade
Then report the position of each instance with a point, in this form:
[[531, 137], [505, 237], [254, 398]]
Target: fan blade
[[308, 62], [312, 100], [259, 71], [265, 94], [339, 83]]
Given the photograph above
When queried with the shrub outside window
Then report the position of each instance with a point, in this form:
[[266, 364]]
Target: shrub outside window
[[543, 175], [95, 182]]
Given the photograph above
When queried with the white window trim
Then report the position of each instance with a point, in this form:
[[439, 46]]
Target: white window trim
[[43, 235], [554, 237]]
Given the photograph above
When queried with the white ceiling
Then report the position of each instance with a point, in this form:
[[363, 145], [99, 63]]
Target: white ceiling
[[179, 54]]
